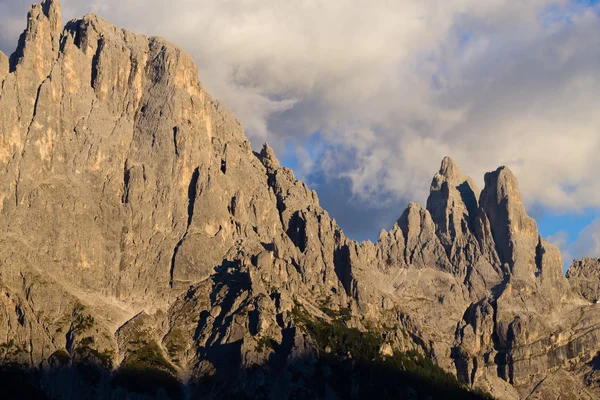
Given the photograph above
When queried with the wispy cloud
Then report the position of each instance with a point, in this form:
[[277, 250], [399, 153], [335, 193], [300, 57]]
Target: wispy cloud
[[586, 244], [392, 87]]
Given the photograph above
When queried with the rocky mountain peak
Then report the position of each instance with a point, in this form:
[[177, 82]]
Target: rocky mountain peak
[[504, 182], [39, 43], [450, 188], [452, 203], [268, 158], [138, 224], [511, 227], [450, 170]]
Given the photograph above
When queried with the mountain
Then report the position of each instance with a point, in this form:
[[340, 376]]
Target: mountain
[[147, 252]]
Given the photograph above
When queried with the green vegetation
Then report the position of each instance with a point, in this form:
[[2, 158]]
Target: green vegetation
[[265, 342], [347, 353], [145, 371], [87, 342], [61, 356], [336, 339], [149, 355], [85, 351], [81, 321], [175, 343], [8, 345], [422, 368], [404, 333], [344, 314], [328, 311], [12, 348]]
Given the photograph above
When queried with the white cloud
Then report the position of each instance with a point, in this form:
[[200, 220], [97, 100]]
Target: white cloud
[[561, 240], [393, 86], [587, 243]]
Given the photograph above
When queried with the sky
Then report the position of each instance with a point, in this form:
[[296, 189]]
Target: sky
[[363, 98]]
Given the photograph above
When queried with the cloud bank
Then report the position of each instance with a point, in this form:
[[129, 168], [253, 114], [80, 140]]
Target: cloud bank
[[390, 87], [587, 243]]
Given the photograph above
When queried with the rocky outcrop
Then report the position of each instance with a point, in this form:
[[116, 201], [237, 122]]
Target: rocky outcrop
[[584, 277], [140, 232], [515, 233], [3, 67], [453, 203], [521, 332]]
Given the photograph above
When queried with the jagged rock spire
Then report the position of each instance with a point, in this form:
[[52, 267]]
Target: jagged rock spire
[[515, 233], [450, 170], [267, 156], [423, 248], [39, 43], [452, 202], [31, 64]]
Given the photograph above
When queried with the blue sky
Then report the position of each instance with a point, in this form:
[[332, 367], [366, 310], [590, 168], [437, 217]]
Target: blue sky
[[392, 88], [588, 3], [363, 221], [551, 223]]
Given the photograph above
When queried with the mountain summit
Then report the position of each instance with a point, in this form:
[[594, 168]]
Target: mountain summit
[[147, 251]]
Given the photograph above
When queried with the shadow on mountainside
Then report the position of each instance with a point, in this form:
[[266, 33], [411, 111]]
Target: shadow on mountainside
[[341, 363], [327, 377], [349, 366]]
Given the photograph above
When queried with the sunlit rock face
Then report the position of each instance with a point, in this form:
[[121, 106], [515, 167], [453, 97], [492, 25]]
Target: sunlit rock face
[[137, 223], [584, 276]]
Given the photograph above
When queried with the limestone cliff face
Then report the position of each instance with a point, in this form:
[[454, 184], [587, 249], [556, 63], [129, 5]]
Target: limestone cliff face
[[136, 218], [584, 276], [453, 207]]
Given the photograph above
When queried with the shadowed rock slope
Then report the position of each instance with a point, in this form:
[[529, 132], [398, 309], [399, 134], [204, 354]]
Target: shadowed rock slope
[[145, 245]]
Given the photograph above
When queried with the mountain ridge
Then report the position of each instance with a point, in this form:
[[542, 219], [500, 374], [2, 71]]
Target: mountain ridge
[[142, 232]]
